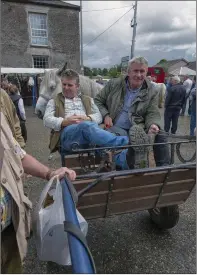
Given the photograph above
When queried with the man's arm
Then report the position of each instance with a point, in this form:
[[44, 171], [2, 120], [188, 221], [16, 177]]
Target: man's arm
[[184, 96], [152, 114], [95, 115], [35, 168], [21, 109], [49, 119], [168, 97], [101, 99]]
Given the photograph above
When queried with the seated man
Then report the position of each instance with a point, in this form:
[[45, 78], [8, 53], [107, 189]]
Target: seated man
[[129, 105], [74, 118]]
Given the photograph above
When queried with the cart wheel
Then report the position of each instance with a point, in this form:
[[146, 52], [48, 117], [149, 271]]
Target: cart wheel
[[180, 156], [165, 217]]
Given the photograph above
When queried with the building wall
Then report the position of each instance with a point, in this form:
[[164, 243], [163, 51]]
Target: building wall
[[63, 36]]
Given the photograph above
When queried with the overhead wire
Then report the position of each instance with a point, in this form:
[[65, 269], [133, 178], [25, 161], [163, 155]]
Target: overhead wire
[[108, 28], [107, 9]]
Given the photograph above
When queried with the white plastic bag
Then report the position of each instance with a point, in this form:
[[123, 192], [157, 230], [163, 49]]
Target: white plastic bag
[[51, 239]]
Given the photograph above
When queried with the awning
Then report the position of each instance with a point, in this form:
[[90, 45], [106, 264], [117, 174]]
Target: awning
[[31, 71]]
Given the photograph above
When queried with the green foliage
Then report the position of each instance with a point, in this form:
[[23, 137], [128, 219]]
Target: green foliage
[[162, 61], [113, 72]]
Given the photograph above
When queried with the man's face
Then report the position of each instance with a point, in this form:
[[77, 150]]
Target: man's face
[[137, 74], [5, 85], [69, 87]]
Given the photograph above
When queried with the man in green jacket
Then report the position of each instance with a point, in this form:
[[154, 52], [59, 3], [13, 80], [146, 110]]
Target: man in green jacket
[[129, 105]]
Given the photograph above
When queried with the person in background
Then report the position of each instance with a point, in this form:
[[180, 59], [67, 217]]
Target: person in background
[[190, 98], [187, 84], [9, 111], [5, 85], [19, 105], [15, 206], [173, 104], [193, 110]]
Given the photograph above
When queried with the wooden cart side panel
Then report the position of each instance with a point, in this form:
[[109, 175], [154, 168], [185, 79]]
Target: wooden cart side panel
[[136, 193], [140, 198], [74, 161]]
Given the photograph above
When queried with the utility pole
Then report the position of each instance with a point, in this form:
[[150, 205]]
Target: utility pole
[[81, 38], [134, 26]]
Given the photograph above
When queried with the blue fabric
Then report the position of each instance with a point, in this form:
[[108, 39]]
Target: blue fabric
[[121, 161], [123, 118], [87, 133], [192, 123]]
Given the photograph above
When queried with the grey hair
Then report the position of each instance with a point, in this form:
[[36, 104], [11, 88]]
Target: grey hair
[[139, 60], [176, 78], [69, 73]]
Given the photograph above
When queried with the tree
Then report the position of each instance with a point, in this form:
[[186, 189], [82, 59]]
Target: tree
[[105, 72], [113, 72], [94, 71], [162, 61], [87, 72], [164, 64]]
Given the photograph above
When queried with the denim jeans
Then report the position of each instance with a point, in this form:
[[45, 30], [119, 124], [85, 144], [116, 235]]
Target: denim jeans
[[89, 133], [192, 123]]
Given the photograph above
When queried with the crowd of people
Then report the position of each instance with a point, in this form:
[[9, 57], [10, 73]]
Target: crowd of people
[[128, 108], [179, 94]]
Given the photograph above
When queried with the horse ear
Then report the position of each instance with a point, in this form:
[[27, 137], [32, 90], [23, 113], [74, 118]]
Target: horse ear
[[59, 72]]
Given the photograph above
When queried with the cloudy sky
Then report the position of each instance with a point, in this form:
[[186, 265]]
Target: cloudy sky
[[165, 29]]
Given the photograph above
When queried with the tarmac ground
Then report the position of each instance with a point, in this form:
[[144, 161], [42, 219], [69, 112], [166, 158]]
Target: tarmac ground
[[128, 243]]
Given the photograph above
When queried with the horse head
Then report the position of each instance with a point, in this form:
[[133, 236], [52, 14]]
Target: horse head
[[51, 86]]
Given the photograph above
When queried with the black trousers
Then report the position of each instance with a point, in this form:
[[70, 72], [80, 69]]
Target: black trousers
[[23, 130], [171, 116]]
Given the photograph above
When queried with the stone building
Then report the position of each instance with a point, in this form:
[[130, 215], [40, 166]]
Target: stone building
[[39, 34]]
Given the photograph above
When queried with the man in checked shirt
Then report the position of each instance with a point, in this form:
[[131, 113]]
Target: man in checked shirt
[[75, 118]]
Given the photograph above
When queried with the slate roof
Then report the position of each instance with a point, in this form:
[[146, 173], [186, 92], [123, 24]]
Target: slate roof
[[170, 63]]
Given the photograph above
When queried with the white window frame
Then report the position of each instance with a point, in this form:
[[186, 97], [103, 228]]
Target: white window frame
[[32, 29], [41, 56]]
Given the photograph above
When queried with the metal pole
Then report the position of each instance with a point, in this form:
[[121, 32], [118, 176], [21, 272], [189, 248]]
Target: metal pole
[[134, 26], [81, 36]]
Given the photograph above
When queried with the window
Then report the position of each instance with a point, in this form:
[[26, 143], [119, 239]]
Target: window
[[38, 28], [40, 62], [157, 71]]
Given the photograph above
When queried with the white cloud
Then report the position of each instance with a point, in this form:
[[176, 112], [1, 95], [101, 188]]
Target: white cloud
[[166, 29]]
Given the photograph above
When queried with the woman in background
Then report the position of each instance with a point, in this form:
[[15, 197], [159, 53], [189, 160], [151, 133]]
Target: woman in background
[[19, 105]]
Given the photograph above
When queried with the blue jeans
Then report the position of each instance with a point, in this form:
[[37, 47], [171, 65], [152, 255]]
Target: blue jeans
[[192, 123], [87, 133]]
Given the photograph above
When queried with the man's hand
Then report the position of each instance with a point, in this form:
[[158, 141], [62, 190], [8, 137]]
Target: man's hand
[[108, 122], [62, 171], [84, 118], [71, 120], [154, 129]]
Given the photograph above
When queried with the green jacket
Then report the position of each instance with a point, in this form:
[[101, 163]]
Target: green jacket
[[144, 109]]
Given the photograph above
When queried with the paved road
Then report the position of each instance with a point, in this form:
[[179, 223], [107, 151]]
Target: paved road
[[122, 244]]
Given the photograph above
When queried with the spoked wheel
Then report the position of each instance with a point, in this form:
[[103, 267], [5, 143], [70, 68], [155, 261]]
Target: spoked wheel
[[186, 152], [165, 217]]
